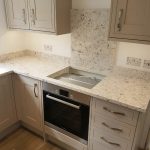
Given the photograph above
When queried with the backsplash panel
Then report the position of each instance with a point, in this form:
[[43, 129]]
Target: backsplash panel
[[91, 50]]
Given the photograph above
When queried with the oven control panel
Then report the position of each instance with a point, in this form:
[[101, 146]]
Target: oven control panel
[[76, 96]]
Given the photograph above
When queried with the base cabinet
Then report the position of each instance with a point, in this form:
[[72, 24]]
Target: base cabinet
[[28, 101], [7, 106], [113, 127]]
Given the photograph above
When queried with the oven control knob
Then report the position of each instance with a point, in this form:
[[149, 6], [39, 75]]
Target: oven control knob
[[56, 91], [71, 96]]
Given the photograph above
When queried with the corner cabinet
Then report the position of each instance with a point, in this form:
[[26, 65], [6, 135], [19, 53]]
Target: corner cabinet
[[51, 16], [7, 105], [28, 99], [130, 20]]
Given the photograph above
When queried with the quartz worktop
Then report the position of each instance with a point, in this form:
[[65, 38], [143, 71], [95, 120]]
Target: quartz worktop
[[126, 87]]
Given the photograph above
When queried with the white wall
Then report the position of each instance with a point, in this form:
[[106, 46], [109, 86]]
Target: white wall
[[89, 4], [132, 50], [15, 40], [61, 45]]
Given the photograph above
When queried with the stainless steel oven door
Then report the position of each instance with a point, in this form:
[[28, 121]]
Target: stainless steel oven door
[[66, 115]]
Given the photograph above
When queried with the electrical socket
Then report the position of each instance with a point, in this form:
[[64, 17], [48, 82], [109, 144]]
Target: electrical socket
[[134, 61], [48, 47], [146, 64]]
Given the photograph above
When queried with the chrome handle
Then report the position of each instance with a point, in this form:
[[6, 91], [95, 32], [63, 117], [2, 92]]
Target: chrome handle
[[33, 16], [114, 129], [35, 86], [111, 143], [119, 25], [63, 102], [113, 112], [24, 16]]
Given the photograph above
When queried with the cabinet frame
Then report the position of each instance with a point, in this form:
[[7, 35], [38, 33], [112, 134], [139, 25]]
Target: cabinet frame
[[60, 21], [120, 36], [21, 82]]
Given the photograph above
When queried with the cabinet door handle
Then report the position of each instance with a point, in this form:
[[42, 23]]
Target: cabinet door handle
[[119, 25], [35, 86], [113, 112], [114, 129], [111, 143], [24, 16], [33, 16]]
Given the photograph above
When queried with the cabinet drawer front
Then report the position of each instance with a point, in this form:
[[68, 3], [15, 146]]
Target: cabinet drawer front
[[115, 112], [103, 145], [113, 127]]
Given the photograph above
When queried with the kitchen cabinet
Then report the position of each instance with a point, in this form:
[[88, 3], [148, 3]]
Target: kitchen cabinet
[[51, 16], [113, 127], [17, 14], [130, 20], [42, 13], [7, 106], [28, 99]]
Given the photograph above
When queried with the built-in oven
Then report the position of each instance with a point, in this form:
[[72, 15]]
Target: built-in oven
[[66, 111]]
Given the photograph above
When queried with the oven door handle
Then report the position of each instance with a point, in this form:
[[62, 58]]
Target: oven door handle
[[63, 102]]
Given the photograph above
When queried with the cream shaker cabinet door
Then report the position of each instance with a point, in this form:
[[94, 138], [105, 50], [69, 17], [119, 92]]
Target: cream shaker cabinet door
[[42, 15], [17, 14], [130, 20], [28, 99], [7, 104]]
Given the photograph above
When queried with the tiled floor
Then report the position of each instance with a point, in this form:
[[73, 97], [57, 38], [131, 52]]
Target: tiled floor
[[25, 140]]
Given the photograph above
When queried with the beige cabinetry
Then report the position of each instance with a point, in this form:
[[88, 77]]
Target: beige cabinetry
[[112, 127], [7, 106], [28, 100], [130, 20], [51, 16], [42, 15], [17, 14]]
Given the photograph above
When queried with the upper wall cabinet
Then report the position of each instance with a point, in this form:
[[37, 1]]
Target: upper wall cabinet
[[17, 14], [51, 16], [42, 15], [130, 20]]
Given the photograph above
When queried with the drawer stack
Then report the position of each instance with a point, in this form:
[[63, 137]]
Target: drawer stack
[[112, 126]]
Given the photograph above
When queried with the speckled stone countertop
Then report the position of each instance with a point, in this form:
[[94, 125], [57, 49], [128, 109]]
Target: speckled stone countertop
[[125, 87]]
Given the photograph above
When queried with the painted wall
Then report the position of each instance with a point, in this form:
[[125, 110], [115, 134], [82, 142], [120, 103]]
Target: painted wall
[[132, 50], [91, 4], [61, 45]]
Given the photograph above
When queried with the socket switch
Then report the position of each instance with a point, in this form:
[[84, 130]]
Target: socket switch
[[146, 64], [132, 61], [48, 47]]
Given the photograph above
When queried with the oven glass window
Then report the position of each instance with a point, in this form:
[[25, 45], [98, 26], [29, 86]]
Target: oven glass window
[[71, 119]]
